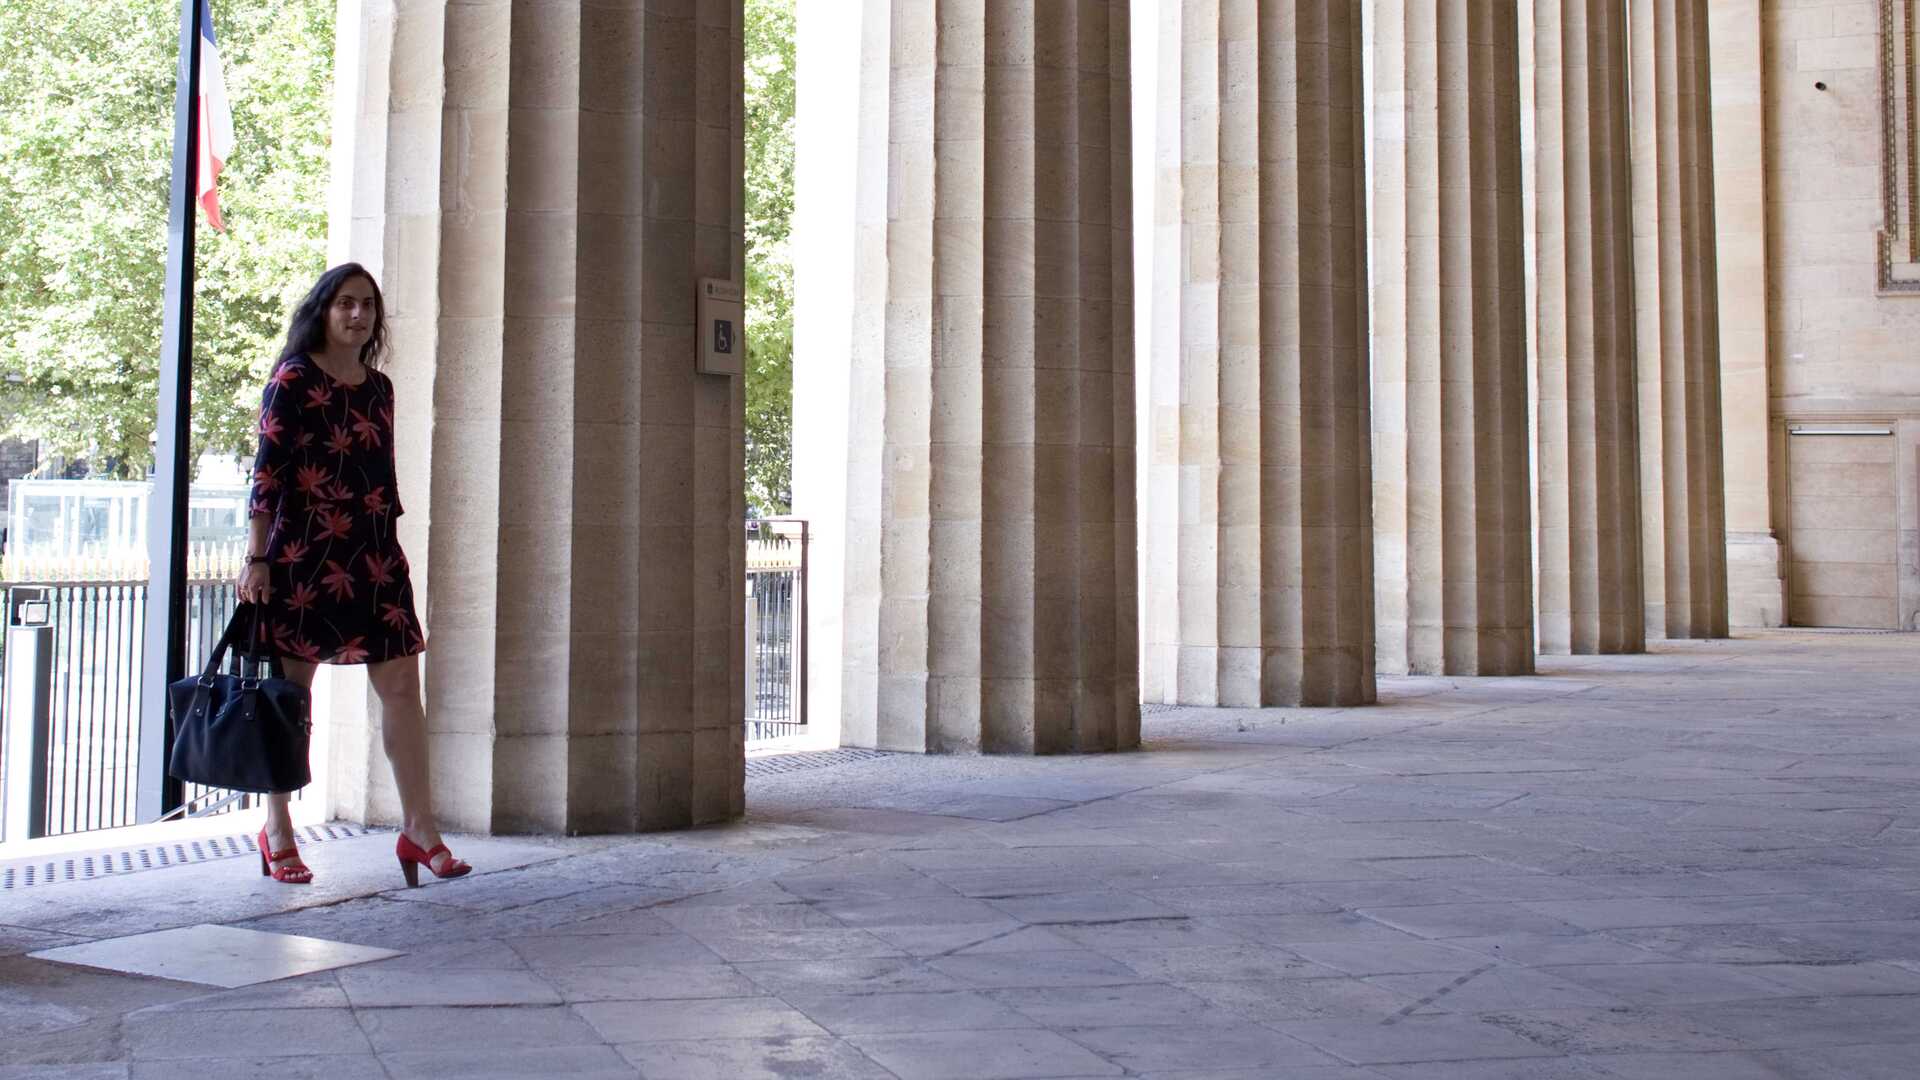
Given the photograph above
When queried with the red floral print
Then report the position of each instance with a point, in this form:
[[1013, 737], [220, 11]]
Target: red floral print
[[339, 586], [339, 582]]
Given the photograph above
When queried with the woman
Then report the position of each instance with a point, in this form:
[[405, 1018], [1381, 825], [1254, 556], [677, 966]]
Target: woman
[[323, 560]]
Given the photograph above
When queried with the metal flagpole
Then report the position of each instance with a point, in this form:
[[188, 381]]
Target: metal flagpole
[[166, 638]]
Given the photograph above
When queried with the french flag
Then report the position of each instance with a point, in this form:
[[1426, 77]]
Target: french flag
[[215, 121]]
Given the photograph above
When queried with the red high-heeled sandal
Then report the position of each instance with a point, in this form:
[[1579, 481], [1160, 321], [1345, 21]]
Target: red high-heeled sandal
[[412, 858], [297, 874]]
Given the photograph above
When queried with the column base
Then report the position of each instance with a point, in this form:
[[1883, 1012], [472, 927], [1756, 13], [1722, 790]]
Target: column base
[[1756, 585]]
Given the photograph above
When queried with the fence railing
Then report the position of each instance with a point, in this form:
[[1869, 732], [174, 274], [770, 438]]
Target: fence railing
[[96, 636], [776, 629]]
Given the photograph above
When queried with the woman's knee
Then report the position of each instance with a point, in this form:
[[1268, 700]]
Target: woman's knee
[[396, 681]]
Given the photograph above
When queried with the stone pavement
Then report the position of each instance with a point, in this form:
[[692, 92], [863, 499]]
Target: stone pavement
[[1703, 863]]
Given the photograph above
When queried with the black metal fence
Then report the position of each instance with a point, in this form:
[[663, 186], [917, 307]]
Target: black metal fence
[[93, 739], [776, 629]]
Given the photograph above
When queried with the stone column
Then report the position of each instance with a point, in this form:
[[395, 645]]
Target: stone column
[[990, 534], [1685, 533], [538, 190], [1588, 449], [1261, 546], [1451, 518], [1756, 583]]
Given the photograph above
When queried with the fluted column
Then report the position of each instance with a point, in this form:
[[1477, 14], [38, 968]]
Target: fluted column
[[1260, 544], [990, 533], [1589, 482], [1451, 516], [1682, 472], [538, 190]]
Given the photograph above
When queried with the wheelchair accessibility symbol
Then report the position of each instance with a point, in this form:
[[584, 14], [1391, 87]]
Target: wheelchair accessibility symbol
[[723, 335]]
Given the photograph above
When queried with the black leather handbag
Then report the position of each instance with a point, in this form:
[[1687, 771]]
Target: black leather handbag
[[247, 731]]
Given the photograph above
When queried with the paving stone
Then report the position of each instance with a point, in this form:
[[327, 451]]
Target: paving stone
[[931, 911], [945, 939], [1614, 1031], [859, 887], [1723, 1065], [754, 1059], [1500, 988], [1469, 920], [983, 1055], [1652, 984], [1796, 1023], [1079, 968], [262, 1033], [993, 883], [1389, 958], [1082, 907], [1537, 950], [96, 1071], [1839, 979], [1511, 1069], [715, 1018], [1348, 895], [394, 988], [649, 983], [1342, 926], [742, 946], [1271, 1000], [1239, 961], [317, 991], [1868, 1062], [484, 955], [214, 955], [524, 1027], [1413, 1039], [899, 1013], [1106, 1006], [1230, 1045], [320, 1067], [24, 939], [572, 1062], [1135, 934], [1624, 912], [623, 950], [850, 974], [1026, 939]]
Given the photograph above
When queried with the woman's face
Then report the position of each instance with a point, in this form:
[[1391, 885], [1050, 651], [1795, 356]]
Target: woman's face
[[351, 316]]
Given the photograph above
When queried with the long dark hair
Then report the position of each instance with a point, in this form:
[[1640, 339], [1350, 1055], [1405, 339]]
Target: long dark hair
[[307, 330]]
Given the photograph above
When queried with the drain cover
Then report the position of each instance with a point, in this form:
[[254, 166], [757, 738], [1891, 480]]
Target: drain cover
[[59, 869], [775, 764]]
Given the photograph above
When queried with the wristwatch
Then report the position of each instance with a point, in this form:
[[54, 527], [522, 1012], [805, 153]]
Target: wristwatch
[[251, 559]]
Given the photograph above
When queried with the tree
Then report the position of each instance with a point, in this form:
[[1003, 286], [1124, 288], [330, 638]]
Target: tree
[[86, 131], [770, 71]]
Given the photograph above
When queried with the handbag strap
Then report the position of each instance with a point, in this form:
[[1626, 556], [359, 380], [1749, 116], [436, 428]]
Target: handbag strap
[[243, 626]]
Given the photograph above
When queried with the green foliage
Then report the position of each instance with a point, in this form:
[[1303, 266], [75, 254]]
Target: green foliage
[[86, 132], [769, 202]]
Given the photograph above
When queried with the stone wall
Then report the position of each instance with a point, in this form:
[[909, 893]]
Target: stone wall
[[1841, 348]]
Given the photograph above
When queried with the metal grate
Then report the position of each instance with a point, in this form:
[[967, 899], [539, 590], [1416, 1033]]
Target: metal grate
[[775, 764], [99, 864]]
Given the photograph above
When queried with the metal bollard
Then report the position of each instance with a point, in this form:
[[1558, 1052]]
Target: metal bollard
[[29, 714]]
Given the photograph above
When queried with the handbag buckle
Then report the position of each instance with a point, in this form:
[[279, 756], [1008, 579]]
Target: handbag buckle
[[249, 684], [205, 682]]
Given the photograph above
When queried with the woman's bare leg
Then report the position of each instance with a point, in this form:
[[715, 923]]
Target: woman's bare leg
[[403, 729], [279, 813]]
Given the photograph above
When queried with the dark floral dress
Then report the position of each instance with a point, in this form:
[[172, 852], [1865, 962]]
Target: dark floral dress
[[339, 587]]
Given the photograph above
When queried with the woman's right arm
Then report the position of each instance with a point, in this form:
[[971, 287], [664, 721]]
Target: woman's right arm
[[279, 424]]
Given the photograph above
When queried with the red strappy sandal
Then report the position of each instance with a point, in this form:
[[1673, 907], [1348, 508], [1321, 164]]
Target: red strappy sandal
[[412, 858], [297, 874]]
